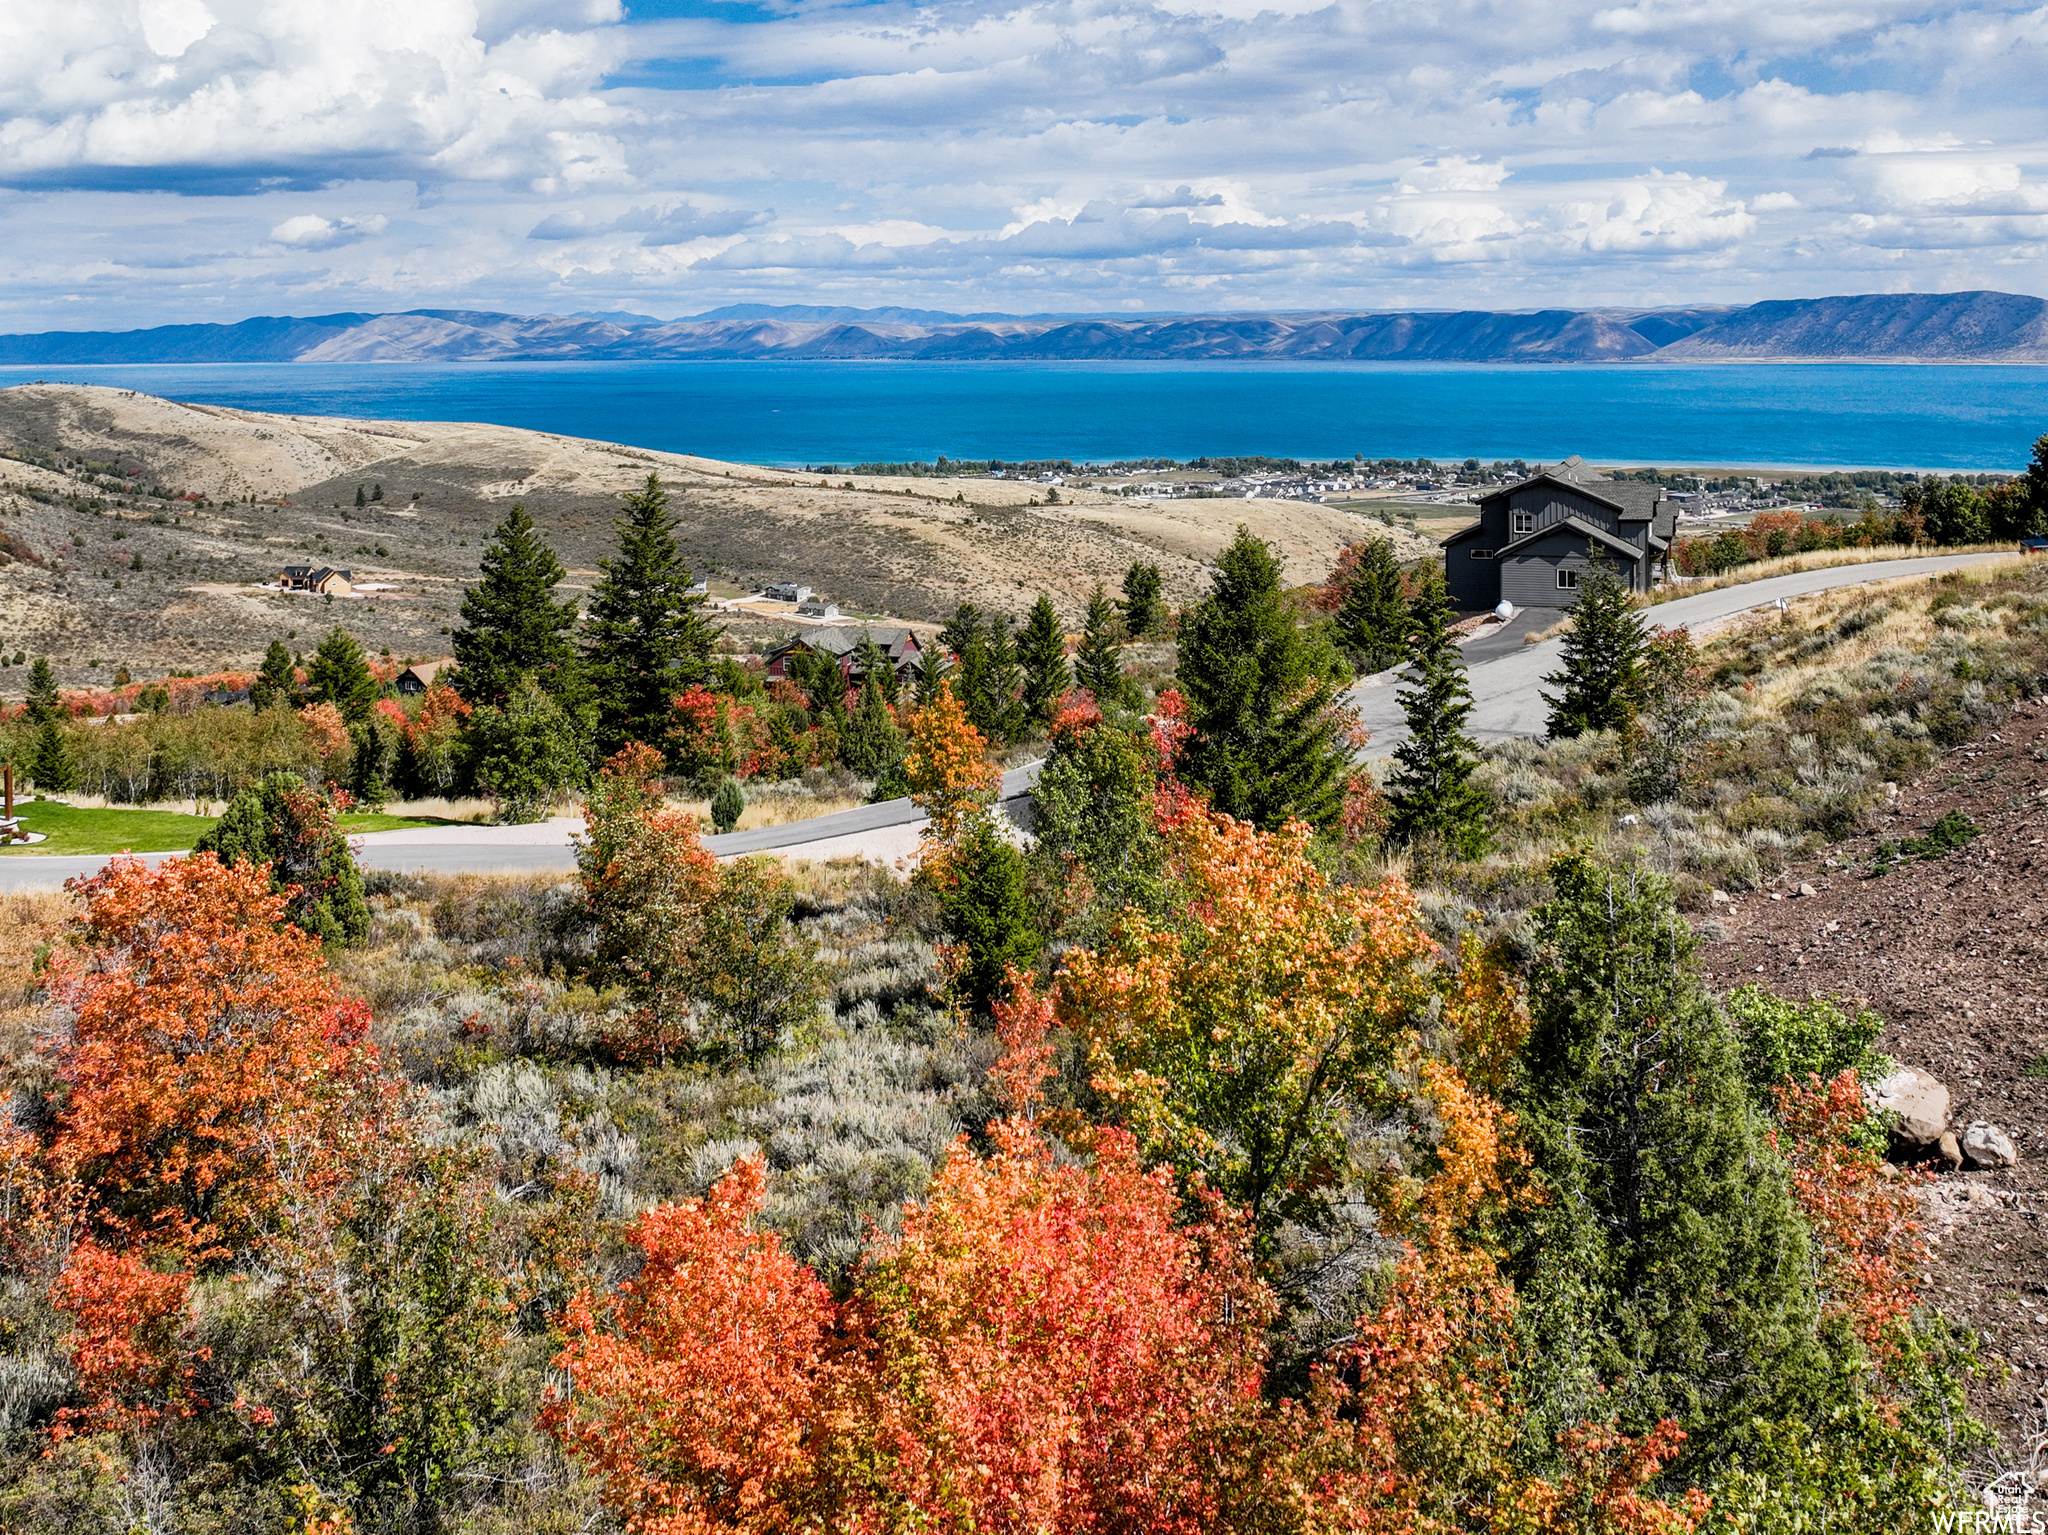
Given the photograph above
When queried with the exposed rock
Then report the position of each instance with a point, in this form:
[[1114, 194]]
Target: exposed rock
[[1951, 1153], [1988, 1146], [1719, 897], [1806, 889], [1919, 1101]]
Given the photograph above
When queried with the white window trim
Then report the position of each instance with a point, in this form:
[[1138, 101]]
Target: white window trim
[[1522, 521], [1567, 578], [1482, 554]]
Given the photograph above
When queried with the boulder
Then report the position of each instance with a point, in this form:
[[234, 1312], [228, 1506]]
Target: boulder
[[1919, 1102], [1988, 1146], [1950, 1151]]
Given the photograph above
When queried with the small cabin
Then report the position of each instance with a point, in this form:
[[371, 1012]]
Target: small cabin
[[419, 676]]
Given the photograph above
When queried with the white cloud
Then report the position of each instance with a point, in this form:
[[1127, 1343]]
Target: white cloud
[[312, 231]]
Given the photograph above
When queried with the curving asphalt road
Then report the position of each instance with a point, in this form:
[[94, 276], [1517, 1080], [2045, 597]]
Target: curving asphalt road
[[1505, 674]]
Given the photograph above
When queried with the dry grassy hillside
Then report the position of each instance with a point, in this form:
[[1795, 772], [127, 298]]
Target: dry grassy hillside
[[76, 501]]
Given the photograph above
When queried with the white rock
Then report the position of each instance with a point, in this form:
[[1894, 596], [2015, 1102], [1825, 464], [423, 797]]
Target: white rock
[[1920, 1102], [1988, 1146], [1629, 820], [1805, 889], [1719, 897]]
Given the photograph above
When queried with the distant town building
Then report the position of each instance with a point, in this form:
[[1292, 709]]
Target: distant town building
[[786, 591], [817, 607], [1532, 541], [317, 578], [842, 643], [419, 676]]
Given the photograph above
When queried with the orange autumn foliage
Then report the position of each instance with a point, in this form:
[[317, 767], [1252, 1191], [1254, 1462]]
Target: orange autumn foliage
[[126, 1340], [946, 763], [697, 1385]]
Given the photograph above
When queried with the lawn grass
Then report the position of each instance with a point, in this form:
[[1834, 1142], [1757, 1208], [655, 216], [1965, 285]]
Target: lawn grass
[[73, 829]]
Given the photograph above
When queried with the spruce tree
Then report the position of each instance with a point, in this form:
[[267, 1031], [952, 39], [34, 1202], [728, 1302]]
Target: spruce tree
[[511, 624], [49, 760], [871, 663], [1098, 664], [1431, 797], [1144, 613], [987, 679], [277, 684], [289, 826], [361, 499], [1372, 619], [1042, 655], [871, 744], [988, 910], [45, 702], [1601, 682], [1666, 1272], [340, 675], [1264, 744], [645, 638], [960, 628]]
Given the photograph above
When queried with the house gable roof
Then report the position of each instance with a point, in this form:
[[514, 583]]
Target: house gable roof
[[840, 640], [1632, 500], [1571, 525]]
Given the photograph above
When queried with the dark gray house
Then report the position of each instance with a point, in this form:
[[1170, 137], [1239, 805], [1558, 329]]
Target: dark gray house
[[1532, 540]]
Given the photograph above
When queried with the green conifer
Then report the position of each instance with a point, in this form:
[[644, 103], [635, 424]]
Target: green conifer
[[277, 684], [1144, 613], [1098, 664], [645, 639], [49, 759], [340, 675], [1264, 744], [727, 806], [1431, 798], [361, 499], [1600, 684], [871, 662], [988, 911], [871, 744], [1042, 656], [45, 702], [286, 824], [1372, 618], [511, 624]]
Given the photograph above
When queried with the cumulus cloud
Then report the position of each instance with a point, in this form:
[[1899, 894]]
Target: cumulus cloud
[[1024, 155]]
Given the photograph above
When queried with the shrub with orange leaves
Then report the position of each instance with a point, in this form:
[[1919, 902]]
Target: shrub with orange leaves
[[327, 730], [1236, 1039], [696, 1387], [127, 1340], [208, 1044], [947, 767]]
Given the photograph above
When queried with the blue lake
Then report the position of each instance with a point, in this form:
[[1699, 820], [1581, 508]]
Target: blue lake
[[1810, 415]]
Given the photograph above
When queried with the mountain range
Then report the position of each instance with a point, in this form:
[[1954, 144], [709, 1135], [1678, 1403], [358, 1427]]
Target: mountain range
[[1980, 327]]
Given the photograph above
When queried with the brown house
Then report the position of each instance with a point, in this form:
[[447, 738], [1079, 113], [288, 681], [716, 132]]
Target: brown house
[[317, 578], [419, 676]]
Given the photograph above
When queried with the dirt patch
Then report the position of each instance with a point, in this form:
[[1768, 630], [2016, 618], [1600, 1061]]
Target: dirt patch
[[1953, 952]]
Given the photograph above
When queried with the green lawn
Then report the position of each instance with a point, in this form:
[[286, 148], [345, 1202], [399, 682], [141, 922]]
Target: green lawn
[[71, 829]]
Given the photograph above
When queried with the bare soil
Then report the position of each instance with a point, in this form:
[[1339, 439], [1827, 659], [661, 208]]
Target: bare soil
[[1953, 953]]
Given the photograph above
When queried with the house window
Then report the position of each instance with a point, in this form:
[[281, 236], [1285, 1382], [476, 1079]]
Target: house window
[[1525, 522], [1482, 554], [1567, 578]]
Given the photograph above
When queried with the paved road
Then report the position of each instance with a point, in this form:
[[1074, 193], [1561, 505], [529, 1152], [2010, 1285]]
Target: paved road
[[1506, 674], [544, 850], [1506, 677]]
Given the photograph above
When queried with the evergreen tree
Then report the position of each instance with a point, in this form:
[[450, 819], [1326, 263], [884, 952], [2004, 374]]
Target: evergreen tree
[[1666, 1272], [376, 492], [372, 760], [1600, 685], [1372, 618], [1098, 664], [871, 743], [1093, 817], [987, 679], [49, 760], [340, 675], [1431, 797], [932, 674], [727, 806], [511, 624], [1144, 613], [988, 910], [871, 663], [1042, 656], [817, 673], [45, 702], [277, 684], [290, 826], [960, 628], [361, 499], [523, 753], [1264, 743], [645, 638], [2036, 483]]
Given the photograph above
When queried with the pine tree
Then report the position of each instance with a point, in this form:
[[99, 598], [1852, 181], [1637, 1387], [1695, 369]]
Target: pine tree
[[511, 624], [987, 679], [45, 702], [1042, 655], [1432, 797], [727, 806], [1372, 618], [1098, 664], [871, 662], [49, 760], [1601, 682], [286, 824], [871, 743], [961, 627], [932, 675], [361, 499], [376, 492], [1143, 611], [277, 684], [341, 676], [1264, 744], [1666, 1272], [645, 638], [988, 910]]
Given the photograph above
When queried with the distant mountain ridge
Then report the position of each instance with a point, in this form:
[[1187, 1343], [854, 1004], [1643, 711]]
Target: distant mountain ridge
[[1980, 327]]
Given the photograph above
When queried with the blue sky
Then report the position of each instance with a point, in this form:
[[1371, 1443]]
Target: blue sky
[[175, 160]]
